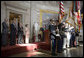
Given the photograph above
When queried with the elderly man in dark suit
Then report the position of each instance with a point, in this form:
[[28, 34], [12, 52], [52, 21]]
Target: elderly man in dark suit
[[4, 32], [13, 33]]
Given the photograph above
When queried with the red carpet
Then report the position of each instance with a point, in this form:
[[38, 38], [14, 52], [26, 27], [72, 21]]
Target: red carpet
[[19, 48]]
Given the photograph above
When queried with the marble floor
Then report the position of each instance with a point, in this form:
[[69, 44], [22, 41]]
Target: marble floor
[[69, 52]]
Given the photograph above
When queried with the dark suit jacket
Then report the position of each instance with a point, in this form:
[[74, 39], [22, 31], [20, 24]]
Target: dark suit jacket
[[51, 29], [13, 29], [4, 28]]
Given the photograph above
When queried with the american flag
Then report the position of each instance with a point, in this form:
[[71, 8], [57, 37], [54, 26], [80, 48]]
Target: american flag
[[61, 10]]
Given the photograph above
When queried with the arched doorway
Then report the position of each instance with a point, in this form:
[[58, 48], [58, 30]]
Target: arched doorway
[[17, 17]]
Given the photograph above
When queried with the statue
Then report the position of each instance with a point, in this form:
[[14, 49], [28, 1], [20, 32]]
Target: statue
[[36, 26]]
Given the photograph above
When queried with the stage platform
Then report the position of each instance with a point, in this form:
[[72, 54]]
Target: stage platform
[[19, 48]]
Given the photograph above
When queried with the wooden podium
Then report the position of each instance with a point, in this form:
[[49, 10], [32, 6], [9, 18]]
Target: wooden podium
[[46, 36]]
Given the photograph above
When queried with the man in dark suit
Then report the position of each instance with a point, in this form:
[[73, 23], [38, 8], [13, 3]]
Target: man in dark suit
[[42, 29], [60, 41], [13, 33], [20, 33], [77, 37], [63, 36], [72, 37], [4, 32], [52, 37]]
